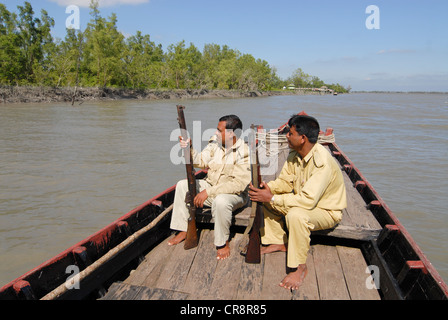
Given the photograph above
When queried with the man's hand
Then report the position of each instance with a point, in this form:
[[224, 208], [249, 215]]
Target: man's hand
[[184, 143], [263, 194], [200, 199]]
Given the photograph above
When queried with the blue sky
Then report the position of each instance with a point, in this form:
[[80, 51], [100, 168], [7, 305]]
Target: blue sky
[[327, 38]]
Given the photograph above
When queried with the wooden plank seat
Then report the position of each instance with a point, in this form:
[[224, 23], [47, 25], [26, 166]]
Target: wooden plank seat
[[240, 216], [358, 222]]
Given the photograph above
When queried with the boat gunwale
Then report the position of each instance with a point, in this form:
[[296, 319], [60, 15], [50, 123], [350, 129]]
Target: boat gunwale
[[102, 236], [95, 238], [389, 215]]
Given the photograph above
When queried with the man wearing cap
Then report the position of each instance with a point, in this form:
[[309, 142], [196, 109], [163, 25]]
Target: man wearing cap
[[309, 193]]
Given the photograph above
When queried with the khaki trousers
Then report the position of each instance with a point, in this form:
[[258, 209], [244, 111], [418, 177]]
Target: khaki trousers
[[222, 207], [300, 222]]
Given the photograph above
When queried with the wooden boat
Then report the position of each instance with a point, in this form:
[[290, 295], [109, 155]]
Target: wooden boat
[[368, 256]]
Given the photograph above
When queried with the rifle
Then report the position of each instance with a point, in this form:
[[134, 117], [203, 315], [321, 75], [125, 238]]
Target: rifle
[[253, 254], [191, 240]]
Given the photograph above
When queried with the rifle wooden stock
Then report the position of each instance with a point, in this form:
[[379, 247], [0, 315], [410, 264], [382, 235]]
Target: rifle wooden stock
[[191, 240], [253, 254]]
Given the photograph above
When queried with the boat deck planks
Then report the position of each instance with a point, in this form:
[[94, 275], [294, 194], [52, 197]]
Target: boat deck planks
[[334, 272], [131, 292], [274, 272], [355, 274], [251, 281], [174, 273], [329, 273], [309, 289], [198, 279]]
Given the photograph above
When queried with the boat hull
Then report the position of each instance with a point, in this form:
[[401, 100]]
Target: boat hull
[[401, 268], [41, 280]]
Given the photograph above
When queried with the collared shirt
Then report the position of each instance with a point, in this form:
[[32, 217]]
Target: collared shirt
[[314, 181], [228, 169]]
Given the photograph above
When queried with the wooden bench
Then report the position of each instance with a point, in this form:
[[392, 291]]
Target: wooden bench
[[240, 216], [358, 222]]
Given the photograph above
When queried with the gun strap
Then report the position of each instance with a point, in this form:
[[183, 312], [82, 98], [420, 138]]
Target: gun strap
[[253, 213], [245, 239]]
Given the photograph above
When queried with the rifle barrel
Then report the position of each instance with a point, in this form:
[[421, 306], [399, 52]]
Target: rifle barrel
[[191, 241]]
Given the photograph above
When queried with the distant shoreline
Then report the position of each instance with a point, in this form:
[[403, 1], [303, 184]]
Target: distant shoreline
[[403, 92], [38, 94], [31, 94]]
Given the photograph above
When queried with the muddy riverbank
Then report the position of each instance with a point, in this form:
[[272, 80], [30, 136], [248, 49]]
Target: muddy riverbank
[[14, 94]]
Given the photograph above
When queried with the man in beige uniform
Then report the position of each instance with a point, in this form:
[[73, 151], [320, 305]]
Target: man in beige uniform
[[309, 193], [224, 189]]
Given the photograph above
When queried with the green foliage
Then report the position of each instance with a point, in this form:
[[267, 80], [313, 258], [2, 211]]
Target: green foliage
[[26, 45], [300, 79], [142, 62], [101, 56]]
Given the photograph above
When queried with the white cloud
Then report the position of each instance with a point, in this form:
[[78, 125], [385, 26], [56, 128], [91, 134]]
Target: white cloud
[[395, 51], [102, 3]]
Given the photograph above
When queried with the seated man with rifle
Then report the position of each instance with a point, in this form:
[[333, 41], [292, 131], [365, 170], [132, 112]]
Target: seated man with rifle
[[309, 194], [224, 189]]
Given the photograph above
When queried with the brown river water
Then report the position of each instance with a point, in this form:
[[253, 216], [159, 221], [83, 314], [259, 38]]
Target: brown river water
[[66, 172]]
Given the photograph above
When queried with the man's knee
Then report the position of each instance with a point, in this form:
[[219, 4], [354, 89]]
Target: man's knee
[[221, 203], [182, 187], [298, 216], [182, 184]]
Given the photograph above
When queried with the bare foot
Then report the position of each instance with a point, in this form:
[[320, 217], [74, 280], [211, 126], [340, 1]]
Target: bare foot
[[223, 252], [273, 248], [178, 238], [295, 278]]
